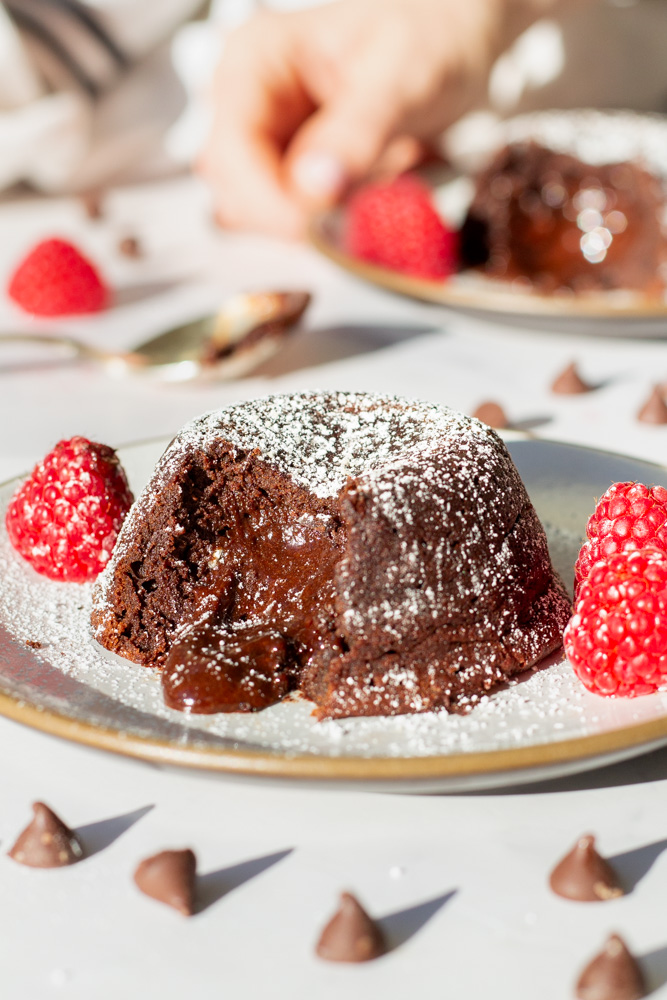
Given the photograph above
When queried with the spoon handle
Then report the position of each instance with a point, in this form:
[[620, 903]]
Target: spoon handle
[[77, 347]]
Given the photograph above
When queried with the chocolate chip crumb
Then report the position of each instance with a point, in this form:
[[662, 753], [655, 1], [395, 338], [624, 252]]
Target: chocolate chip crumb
[[33, 644], [351, 935], [570, 382], [46, 842], [169, 877]]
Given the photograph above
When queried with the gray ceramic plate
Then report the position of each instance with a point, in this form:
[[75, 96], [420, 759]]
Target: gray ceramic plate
[[544, 726]]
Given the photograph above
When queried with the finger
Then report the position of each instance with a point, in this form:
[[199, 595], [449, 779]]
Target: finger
[[259, 103], [402, 153], [248, 193], [336, 146], [346, 137]]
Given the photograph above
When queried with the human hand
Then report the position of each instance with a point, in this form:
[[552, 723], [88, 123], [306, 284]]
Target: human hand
[[308, 103]]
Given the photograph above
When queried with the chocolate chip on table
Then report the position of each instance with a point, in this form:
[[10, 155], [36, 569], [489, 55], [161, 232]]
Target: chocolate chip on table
[[33, 643], [169, 877], [351, 935], [492, 414], [570, 383], [584, 875], [93, 205], [130, 246], [612, 975], [654, 408], [46, 842]]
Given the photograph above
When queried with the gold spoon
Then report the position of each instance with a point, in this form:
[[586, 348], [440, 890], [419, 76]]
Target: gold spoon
[[247, 330]]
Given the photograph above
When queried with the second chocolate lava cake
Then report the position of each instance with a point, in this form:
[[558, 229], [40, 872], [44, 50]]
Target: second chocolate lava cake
[[381, 555]]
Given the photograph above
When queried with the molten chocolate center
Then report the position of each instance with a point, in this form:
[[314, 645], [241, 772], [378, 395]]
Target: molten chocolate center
[[272, 589]]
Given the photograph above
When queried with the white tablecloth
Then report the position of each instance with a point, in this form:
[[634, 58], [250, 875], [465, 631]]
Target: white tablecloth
[[85, 932]]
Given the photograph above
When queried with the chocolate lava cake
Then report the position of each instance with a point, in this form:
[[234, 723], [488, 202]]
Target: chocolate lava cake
[[380, 555], [551, 219]]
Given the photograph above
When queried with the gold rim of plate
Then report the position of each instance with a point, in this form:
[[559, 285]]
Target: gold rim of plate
[[272, 764], [471, 291]]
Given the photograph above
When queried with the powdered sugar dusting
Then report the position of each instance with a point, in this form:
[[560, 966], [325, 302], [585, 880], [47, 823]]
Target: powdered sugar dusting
[[299, 436]]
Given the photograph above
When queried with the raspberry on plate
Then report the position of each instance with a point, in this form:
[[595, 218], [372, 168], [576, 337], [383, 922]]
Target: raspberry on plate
[[617, 638], [395, 224], [628, 517], [55, 279], [64, 519]]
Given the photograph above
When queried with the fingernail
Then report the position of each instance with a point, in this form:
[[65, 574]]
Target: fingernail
[[318, 175]]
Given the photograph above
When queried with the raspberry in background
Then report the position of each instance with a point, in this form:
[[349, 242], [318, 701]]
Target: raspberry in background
[[55, 279], [616, 640], [65, 518], [395, 224], [630, 516]]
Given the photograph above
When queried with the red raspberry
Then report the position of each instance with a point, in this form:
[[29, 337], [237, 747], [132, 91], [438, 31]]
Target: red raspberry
[[395, 224], [55, 279], [617, 638], [64, 519], [629, 516]]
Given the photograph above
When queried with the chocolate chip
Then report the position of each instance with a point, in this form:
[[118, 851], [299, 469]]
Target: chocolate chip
[[33, 643], [570, 382], [92, 205], [584, 875], [492, 414], [169, 877], [654, 409], [46, 842], [350, 935], [612, 975], [130, 247]]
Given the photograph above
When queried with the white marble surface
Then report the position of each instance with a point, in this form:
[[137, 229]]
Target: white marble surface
[[86, 932]]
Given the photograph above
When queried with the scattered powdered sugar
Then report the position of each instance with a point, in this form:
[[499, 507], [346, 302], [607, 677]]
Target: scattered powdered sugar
[[71, 675]]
